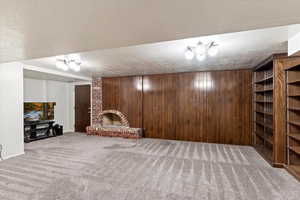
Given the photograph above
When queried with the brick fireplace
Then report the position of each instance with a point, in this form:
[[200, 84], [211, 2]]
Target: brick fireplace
[[110, 123], [113, 123]]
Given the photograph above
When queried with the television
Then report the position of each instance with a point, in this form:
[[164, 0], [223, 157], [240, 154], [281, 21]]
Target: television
[[38, 111]]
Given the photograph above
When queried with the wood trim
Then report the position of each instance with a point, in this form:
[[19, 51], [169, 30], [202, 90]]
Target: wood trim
[[270, 59], [178, 73], [279, 120]]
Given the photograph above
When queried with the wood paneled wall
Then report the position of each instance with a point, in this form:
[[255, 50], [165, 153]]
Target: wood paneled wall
[[198, 106], [124, 94], [159, 106]]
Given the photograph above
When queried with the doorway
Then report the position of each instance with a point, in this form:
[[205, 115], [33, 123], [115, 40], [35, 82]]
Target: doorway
[[82, 107]]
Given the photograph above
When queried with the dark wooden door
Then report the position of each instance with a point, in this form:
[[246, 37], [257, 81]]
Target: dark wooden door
[[82, 107]]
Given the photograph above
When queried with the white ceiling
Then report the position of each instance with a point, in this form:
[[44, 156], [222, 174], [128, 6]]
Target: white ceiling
[[40, 28], [236, 51]]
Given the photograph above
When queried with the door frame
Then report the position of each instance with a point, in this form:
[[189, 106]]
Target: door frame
[[74, 102]]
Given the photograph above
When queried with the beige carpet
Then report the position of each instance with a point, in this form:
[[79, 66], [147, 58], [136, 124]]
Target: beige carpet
[[79, 167]]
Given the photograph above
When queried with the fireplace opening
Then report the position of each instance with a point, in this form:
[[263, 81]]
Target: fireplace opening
[[111, 119]]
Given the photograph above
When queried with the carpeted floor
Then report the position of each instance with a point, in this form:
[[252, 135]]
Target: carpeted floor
[[79, 167]]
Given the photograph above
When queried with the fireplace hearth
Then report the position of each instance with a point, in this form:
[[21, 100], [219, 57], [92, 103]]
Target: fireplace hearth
[[113, 123]]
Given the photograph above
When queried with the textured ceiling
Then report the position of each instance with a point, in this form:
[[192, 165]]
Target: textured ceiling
[[40, 28], [236, 51]]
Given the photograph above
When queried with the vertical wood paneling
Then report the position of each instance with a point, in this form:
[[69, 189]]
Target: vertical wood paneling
[[214, 109], [198, 106], [191, 107], [124, 94], [159, 112]]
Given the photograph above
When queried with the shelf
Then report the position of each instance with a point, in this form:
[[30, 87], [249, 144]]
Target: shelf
[[264, 79], [265, 153], [260, 135], [294, 82], [264, 125], [294, 108], [295, 149], [294, 123], [269, 140], [258, 101], [264, 90], [263, 112], [265, 138], [294, 170], [297, 67], [293, 95], [295, 136]]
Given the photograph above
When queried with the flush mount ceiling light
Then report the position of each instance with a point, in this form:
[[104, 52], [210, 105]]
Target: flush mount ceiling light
[[189, 54], [201, 57], [213, 49], [201, 50], [67, 62]]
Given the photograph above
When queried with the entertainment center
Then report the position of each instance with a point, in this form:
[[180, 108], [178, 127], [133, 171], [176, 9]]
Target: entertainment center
[[40, 130], [39, 121]]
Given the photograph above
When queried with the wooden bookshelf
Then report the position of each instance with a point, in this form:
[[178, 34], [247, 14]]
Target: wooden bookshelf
[[293, 119], [263, 85], [269, 107]]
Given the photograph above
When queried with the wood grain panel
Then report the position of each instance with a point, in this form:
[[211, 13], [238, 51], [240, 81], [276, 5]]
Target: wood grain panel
[[198, 106], [159, 106], [191, 107], [279, 112], [124, 94]]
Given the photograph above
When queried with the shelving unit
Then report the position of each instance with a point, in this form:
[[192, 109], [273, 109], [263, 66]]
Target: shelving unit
[[269, 108], [293, 120], [263, 86], [38, 130]]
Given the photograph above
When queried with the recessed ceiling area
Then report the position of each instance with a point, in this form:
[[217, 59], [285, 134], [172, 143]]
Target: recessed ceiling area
[[241, 50], [34, 29]]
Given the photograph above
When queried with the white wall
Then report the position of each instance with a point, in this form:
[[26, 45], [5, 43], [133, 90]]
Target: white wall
[[53, 91], [294, 39], [11, 109]]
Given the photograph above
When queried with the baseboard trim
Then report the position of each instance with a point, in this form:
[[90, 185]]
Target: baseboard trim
[[278, 165], [14, 155], [66, 131]]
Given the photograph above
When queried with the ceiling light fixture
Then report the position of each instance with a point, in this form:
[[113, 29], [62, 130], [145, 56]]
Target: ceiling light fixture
[[67, 62], [201, 50], [201, 57], [189, 53], [213, 49]]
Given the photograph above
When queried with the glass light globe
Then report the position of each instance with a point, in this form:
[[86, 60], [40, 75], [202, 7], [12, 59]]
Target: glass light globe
[[72, 65], [200, 48], [213, 50], [201, 57], [60, 64], [189, 54], [74, 57], [76, 68], [64, 67]]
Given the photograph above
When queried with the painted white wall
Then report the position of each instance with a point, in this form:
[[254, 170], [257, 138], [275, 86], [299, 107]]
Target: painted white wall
[[11, 109], [53, 91], [294, 39]]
